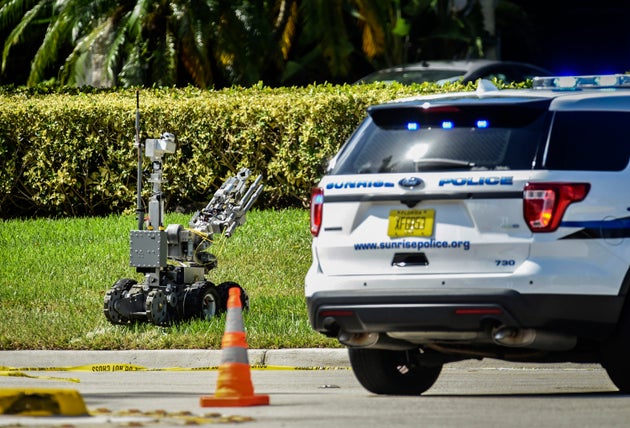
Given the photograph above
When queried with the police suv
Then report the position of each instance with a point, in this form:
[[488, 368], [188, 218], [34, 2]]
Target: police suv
[[478, 224]]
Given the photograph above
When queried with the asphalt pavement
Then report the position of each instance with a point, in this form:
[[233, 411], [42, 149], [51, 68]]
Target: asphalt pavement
[[307, 388], [65, 385]]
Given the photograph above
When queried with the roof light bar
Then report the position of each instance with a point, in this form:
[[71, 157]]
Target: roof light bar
[[582, 82]]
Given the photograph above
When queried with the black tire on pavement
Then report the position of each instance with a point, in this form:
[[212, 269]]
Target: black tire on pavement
[[391, 372], [616, 353]]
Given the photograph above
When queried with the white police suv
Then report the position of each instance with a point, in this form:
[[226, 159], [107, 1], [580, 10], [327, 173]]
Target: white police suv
[[493, 223]]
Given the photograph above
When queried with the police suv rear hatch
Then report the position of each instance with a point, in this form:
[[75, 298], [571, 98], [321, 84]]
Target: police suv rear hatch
[[431, 189]]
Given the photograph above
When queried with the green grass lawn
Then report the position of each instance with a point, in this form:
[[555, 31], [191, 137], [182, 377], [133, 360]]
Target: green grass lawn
[[54, 275]]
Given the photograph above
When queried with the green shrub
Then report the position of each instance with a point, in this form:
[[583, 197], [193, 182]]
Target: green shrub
[[71, 153]]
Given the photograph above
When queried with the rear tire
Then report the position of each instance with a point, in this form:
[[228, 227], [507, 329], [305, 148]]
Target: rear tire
[[616, 353], [392, 372]]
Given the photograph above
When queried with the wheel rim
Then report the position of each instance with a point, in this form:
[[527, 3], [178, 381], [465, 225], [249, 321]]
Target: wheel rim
[[208, 305], [157, 308]]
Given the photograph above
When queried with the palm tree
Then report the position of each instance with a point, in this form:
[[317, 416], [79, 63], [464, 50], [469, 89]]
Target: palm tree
[[233, 42], [144, 41]]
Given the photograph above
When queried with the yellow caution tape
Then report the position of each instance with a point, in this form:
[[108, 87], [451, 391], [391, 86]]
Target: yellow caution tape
[[122, 367], [18, 373], [118, 367]]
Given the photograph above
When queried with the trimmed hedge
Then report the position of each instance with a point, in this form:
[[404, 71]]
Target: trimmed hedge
[[72, 154]]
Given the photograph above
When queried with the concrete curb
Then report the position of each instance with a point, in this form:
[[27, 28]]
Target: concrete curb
[[192, 358]]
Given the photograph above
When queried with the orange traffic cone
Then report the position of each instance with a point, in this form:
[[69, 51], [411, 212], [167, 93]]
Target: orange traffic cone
[[234, 384]]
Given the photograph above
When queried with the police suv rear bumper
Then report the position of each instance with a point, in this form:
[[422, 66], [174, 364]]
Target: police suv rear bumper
[[383, 311]]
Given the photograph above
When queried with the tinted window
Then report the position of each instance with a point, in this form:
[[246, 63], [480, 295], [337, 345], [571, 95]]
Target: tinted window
[[512, 73], [590, 141], [444, 138]]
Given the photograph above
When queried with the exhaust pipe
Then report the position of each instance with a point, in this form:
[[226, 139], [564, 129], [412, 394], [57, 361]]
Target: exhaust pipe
[[374, 341], [530, 338], [358, 340]]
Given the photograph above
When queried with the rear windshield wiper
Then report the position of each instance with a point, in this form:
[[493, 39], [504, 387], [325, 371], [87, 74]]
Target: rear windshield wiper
[[430, 163]]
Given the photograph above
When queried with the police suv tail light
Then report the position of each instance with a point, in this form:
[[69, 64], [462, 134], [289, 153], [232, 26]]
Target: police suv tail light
[[544, 204], [317, 208]]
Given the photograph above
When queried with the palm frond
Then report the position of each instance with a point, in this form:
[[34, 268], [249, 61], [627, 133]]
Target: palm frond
[[47, 53], [371, 16], [75, 65], [137, 17], [163, 71], [118, 39], [289, 30], [13, 10], [192, 23], [132, 72], [332, 35], [231, 48], [17, 33]]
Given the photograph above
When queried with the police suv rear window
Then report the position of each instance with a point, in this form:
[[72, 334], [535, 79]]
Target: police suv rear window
[[589, 141], [411, 138]]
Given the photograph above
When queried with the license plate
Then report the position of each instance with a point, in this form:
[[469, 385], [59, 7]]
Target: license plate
[[410, 223]]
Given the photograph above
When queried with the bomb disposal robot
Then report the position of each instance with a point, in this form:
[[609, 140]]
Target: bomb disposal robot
[[174, 259]]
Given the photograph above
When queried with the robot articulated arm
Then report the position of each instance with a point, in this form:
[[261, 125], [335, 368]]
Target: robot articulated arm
[[226, 211], [223, 214]]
